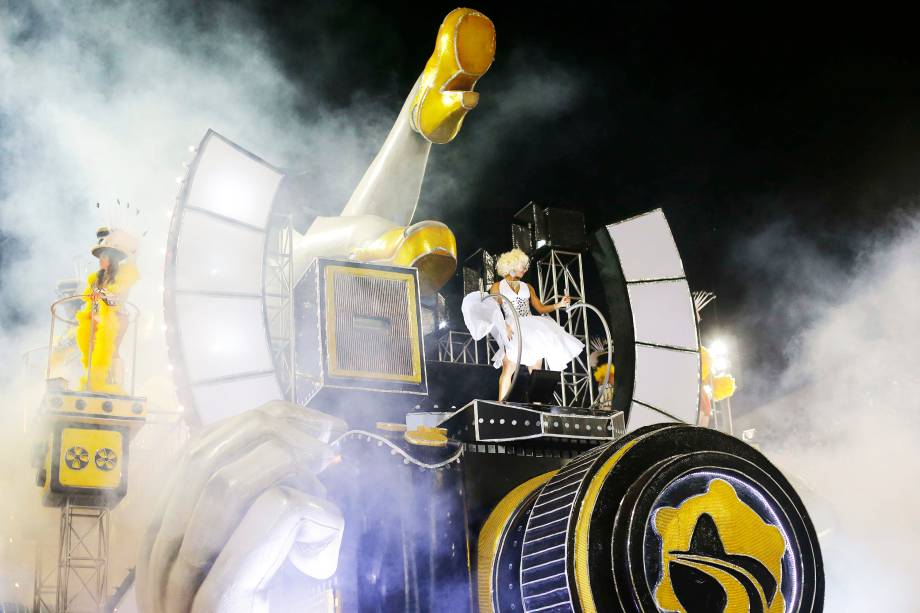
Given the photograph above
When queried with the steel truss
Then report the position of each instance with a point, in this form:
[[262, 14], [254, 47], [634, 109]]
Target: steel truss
[[722, 416], [278, 294], [561, 273], [460, 348], [45, 590], [83, 562]]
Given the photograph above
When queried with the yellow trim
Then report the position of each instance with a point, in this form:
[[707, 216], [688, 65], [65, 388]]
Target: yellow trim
[[491, 534], [742, 531], [424, 241], [391, 427], [583, 527], [92, 441], [427, 437], [408, 279]]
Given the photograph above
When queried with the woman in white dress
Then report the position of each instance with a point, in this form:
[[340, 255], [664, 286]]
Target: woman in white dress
[[541, 337]]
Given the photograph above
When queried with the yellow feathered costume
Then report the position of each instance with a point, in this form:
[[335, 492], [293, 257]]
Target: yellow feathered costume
[[109, 327], [720, 386]]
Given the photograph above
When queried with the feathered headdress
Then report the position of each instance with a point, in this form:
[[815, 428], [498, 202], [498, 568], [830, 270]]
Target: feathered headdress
[[598, 353], [700, 301], [121, 230]]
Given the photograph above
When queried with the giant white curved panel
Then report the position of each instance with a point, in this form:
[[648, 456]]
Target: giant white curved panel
[[668, 380], [663, 314], [232, 183], [215, 255], [216, 401], [222, 337], [640, 416], [646, 248]]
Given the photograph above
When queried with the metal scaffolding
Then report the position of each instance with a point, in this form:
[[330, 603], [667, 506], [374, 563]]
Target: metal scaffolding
[[45, 590], [460, 348], [82, 569], [278, 294], [560, 273]]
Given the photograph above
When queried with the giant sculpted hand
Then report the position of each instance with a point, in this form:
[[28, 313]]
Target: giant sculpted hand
[[244, 498]]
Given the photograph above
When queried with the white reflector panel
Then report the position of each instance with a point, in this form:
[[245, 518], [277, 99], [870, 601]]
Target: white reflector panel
[[232, 183], [217, 401], [640, 415], [222, 337], [663, 314], [669, 380], [646, 248], [218, 256]]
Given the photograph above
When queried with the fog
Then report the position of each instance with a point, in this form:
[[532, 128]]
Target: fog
[[845, 416], [102, 101]]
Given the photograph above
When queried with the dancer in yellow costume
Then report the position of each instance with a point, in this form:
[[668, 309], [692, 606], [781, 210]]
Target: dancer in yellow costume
[[376, 224], [713, 387], [101, 323]]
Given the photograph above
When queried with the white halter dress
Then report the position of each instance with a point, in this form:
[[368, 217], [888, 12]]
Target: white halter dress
[[541, 337]]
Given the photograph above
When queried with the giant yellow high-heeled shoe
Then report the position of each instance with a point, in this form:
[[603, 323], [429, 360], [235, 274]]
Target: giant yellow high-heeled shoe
[[429, 246], [463, 52]]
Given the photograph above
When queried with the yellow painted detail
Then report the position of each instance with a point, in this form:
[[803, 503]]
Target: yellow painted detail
[[463, 52], [491, 534], [427, 437], [91, 458], [583, 527], [120, 406], [381, 248], [388, 426], [408, 280], [742, 532], [429, 246]]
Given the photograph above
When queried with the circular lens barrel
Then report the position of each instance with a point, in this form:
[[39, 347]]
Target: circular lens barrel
[[668, 518]]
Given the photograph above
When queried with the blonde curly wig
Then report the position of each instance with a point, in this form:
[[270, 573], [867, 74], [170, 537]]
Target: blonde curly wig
[[511, 261]]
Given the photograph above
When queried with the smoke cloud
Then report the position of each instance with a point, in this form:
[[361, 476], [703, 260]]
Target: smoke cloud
[[844, 420], [102, 101]]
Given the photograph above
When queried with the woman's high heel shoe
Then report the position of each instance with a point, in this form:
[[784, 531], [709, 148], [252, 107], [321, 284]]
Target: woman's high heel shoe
[[463, 52]]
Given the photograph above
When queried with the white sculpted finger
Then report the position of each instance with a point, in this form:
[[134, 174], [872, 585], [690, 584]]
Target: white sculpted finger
[[221, 506], [215, 449], [260, 544], [143, 592]]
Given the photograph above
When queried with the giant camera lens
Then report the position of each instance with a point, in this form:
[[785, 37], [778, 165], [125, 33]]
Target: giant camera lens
[[669, 518]]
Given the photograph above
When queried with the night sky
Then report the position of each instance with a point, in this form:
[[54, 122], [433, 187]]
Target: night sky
[[737, 120]]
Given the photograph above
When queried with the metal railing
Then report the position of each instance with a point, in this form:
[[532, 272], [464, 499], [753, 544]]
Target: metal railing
[[94, 299]]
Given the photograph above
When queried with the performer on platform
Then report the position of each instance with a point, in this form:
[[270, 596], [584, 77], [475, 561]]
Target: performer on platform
[[603, 373], [713, 387], [541, 337], [101, 324]]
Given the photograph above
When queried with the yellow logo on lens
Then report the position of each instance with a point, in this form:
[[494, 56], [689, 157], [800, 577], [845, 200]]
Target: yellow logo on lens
[[717, 554]]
